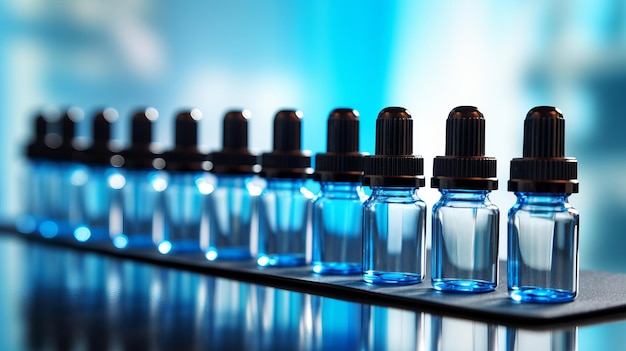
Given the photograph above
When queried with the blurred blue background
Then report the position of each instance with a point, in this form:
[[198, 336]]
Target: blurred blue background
[[429, 57]]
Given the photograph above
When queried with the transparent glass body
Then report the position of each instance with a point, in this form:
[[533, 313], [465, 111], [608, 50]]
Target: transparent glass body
[[284, 212], [465, 241], [542, 248], [59, 186], [137, 209], [183, 211], [34, 183], [394, 229], [95, 204], [337, 228], [232, 211]]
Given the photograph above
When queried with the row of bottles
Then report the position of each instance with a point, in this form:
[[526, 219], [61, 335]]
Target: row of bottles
[[234, 205]]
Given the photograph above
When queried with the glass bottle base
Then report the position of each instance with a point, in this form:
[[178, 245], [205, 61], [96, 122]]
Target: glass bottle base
[[228, 254], [463, 285], [122, 241], [391, 278], [540, 295], [281, 260], [336, 268], [83, 234], [167, 247]]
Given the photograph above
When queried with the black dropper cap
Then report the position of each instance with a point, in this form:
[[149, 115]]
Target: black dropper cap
[[286, 160], [139, 154], [394, 164], [67, 125], [43, 143], [342, 161], [185, 156], [544, 167], [465, 165], [102, 150], [235, 158]]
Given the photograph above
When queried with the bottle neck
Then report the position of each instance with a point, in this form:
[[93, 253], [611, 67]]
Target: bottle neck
[[545, 199], [393, 191], [340, 187], [285, 183], [464, 195], [232, 181]]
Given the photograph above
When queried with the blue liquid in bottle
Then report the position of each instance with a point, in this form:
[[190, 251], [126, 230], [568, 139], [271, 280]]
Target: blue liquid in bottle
[[233, 205], [543, 227], [394, 217], [186, 191], [465, 223], [338, 209], [136, 209], [285, 205]]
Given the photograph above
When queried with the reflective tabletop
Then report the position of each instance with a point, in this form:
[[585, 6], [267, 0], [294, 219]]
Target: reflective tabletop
[[61, 298]]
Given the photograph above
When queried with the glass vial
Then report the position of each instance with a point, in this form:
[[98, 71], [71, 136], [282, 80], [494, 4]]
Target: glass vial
[[187, 185], [285, 204], [136, 210], [66, 176], [36, 180], [233, 204], [101, 161], [543, 227], [394, 217], [338, 209], [465, 223]]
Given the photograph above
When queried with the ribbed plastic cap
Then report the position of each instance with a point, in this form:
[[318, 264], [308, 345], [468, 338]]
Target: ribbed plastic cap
[[342, 162], [235, 158], [394, 164], [544, 167], [185, 156], [40, 145], [465, 165], [68, 123], [101, 150], [287, 159], [139, 154]]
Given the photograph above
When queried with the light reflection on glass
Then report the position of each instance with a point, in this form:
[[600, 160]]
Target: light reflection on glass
[[540, 340], [69, 299]]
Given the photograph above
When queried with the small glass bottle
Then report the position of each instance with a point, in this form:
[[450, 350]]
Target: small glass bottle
[[338, 209], [35, 181], [233, 204], [394, 217], [66, 176], [543, 227], [187, 187], [465, 222], [285, 206], [136, 210], [102, 160]]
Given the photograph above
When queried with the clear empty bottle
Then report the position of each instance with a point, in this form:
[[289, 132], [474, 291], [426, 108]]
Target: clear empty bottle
[[233, 204], [102, 160], [187, 188], [543, 226], [394, 217], [465, 222], [285, 206], [136, 210], [338, 209]]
